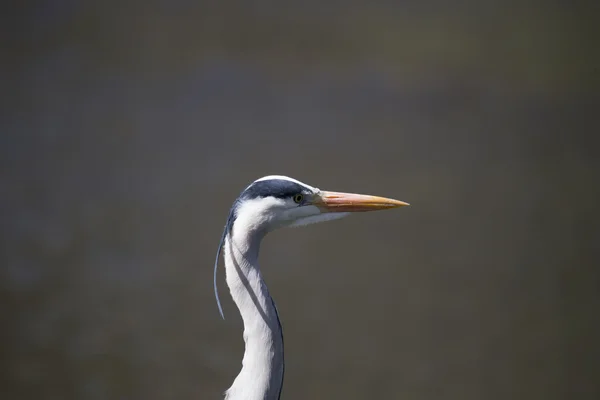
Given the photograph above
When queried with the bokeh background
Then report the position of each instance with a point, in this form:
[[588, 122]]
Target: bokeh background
[[128, 129]]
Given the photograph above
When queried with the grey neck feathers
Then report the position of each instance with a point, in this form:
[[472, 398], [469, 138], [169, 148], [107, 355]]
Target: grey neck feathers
[[261, 377]]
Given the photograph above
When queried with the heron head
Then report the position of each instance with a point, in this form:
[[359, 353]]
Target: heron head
[[277, 201]]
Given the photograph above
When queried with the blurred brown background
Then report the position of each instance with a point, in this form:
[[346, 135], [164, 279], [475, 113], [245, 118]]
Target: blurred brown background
[[128, 129]]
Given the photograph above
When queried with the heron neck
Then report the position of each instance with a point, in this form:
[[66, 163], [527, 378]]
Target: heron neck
[[261, 376]]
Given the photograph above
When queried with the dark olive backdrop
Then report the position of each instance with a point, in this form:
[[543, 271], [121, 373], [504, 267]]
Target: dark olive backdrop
[[129, 128]]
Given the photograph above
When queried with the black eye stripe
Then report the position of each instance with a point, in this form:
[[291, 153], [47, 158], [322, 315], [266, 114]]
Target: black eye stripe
[[279, 188]]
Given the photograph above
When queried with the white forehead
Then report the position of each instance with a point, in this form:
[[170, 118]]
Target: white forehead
[[286, 178]]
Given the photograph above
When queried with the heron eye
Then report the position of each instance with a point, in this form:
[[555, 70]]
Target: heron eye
[[298, 198]]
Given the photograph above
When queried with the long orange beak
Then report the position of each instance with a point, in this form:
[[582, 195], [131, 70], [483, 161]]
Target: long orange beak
[[351, 202]]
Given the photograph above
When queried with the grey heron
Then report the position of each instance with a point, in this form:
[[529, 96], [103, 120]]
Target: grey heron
[[266, 204]]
